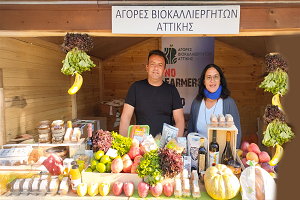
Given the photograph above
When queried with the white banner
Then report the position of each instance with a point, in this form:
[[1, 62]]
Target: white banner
[[176, 19], [186, 58]]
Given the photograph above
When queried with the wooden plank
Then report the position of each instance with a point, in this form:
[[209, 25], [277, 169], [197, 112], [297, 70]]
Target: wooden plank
[[2, 112]]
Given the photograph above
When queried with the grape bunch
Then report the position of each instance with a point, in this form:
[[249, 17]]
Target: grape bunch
[[102, 141], [275, 61], [82, 41], [170, 162], [273, 112]]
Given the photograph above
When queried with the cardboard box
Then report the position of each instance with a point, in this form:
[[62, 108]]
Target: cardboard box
[[89, 177], [221, 139]]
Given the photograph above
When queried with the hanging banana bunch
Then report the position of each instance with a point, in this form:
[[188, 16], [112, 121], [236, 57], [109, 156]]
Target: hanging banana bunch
[[276, 101], [76, 85], [277, 156]]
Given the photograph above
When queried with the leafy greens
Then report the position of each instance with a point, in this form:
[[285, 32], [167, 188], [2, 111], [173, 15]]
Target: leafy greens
[[275, 82], [277, 132], [120, 143]]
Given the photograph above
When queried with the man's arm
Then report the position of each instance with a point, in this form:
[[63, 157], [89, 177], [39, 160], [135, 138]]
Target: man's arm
[[125, 119], [179, 121]]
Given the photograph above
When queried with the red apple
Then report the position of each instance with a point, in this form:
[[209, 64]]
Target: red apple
[[127, 164], [135, 143], [244, 145], [244, 153], [134, 152], [128, 188], [117, 188], [168, 189], [252, 156], [143, 189], [125, 157], [254, 148], [266, 166], [264, 157], [156, 190]]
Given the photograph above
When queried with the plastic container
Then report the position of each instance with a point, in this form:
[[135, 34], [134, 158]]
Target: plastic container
[[16, 186], [64, 186], [35, 186], [58, 131], [26, 187], [221, 120], [44, 130], [44, 186], [139, 133], [178, 188], [186, 188], [60, 151], [229, 120], [196, 189], [214, 120], [54, 185]]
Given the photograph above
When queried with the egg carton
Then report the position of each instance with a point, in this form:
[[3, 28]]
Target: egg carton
[[15, 152]]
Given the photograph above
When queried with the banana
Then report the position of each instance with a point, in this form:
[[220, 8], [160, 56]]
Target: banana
[[276, 101], [278, 155], [76, 85]]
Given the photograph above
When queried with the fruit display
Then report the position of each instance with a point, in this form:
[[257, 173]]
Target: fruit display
[[221, 183], [143, 189]]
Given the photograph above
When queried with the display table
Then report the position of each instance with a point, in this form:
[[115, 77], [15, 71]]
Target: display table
[[111, 196]]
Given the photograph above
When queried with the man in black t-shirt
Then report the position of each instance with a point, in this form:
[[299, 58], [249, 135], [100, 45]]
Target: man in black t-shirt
[[153, 101]]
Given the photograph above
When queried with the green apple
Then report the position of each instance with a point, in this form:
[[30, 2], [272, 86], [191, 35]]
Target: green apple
[[93, 189], [101, 167], [94, 164], [82, 189]]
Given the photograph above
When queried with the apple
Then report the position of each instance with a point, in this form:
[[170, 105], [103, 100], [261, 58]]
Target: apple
[[125, 157], [134, 152], [82, 189], [117, 165], [117, 188], [104, 188], [128, 188], [264, 157], [93, 189], [135, 143], [168, 189], [143, 189], [245, 145], [244, 153], [252, 156], [127, 164], [253, 148], [156, 190], [266, 166]]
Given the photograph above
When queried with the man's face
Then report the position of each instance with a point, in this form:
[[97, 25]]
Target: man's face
[[156, 67]]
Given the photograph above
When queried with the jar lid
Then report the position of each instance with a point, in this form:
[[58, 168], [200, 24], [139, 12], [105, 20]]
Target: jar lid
[[56, 150], [74, 162], [44, 122], [75, 167], [57, 122]]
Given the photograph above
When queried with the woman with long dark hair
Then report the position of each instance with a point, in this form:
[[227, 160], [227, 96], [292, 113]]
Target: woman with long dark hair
[[213, 98]]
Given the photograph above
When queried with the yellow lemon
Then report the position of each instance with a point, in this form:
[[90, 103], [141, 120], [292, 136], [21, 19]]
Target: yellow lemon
[[93, 164], [104, 189], [88, 170], [82, 189]]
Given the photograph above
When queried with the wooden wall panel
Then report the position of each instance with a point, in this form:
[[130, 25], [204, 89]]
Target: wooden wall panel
[[36, 90], [243, 73]]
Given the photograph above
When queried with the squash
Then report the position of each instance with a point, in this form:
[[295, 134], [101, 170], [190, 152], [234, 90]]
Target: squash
[[221, 183]]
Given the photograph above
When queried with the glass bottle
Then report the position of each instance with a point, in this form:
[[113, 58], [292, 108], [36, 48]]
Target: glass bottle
[[227, 153], [75, 178], [213, 151], [202, 156]]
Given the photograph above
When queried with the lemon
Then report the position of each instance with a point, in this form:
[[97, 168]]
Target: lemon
[[105, 159], [88, 170], [108, 167], [98, 154], [82, 189], [92, 158], [96, 171], [101, 167], [94, 163]]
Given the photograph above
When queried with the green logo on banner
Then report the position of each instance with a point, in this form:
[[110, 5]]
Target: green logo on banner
[[171, 55]]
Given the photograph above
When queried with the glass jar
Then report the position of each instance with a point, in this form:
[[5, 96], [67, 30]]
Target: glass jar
[[44, 131], [235, 166], [58, 131]]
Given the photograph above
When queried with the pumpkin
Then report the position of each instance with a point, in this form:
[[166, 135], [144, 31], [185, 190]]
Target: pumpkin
[[221, 183]]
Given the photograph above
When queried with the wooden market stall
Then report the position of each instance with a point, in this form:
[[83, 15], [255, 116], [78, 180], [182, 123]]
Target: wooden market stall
[[32, 88]]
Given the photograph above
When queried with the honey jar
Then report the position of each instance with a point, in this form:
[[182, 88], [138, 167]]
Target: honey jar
[[58, 131], [44, 131]]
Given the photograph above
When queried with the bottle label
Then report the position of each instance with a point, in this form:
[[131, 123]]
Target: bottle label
[[201, 162], [213, 158], [75, 183]]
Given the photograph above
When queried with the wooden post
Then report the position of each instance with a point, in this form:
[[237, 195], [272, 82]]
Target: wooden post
[[2, 112], [101, 81]]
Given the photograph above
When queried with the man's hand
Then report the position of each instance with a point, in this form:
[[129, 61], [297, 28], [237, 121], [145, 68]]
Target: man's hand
[[179, 121], [125, 119]]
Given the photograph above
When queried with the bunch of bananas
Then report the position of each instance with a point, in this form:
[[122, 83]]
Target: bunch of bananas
[[277, 156], [76, 85], [276, 101]]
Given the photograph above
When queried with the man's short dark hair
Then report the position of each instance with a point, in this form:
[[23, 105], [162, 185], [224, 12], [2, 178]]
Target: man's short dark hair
[[158, 53]]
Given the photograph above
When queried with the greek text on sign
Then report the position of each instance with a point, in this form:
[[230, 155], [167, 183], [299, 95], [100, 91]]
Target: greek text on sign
[[176, 19]]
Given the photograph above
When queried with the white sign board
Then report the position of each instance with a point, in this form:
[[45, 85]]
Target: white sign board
[[186, 59], [176, 19]]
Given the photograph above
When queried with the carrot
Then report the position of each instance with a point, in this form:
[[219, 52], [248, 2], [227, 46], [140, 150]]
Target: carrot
[[132, 132], [138, 127]]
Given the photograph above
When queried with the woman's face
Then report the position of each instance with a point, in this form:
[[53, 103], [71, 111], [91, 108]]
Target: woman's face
[[212, 80]]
